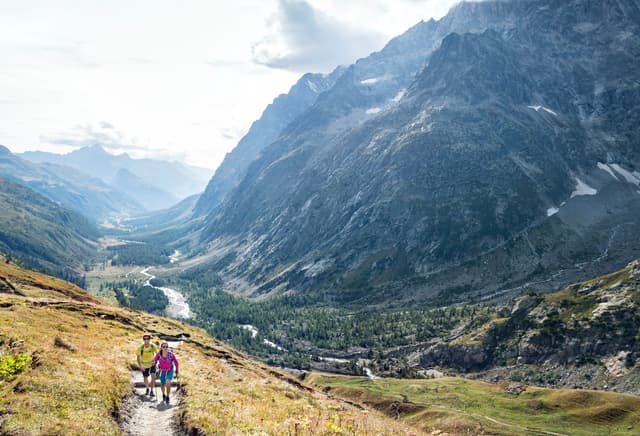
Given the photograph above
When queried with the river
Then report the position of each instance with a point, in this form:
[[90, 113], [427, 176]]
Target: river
[[178, 306]]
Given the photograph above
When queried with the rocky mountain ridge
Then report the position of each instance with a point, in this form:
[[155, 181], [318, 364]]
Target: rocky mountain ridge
[[509, 160], [585, 336]]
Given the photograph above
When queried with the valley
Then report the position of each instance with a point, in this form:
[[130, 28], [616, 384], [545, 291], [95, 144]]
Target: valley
[[62, 328], [439, 238]]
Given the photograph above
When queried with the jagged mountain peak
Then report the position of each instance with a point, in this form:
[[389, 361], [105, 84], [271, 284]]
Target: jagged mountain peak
[[447, 190]]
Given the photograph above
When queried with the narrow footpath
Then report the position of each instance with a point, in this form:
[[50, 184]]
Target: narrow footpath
[[145, 415]]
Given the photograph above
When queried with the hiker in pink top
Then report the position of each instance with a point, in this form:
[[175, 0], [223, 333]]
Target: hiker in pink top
[[166, 361]]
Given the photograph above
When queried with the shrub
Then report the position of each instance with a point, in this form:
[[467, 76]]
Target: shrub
[[13, 364]]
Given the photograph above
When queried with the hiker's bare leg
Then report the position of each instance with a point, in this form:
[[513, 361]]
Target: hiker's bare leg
[[168, 387]]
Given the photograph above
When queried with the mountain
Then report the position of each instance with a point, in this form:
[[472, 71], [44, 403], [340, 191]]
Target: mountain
[[583, 336], [178, 179], [53, 330], [42, 233], [284, 109], [149, 196], [68, 187], [371, 84], [510, 159]]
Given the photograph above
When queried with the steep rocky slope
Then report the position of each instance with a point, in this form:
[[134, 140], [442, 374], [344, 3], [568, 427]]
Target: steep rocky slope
[[511, 159], [583, 336]]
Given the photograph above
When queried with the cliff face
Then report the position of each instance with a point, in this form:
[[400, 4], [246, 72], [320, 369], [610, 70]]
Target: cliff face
[[510, 159]]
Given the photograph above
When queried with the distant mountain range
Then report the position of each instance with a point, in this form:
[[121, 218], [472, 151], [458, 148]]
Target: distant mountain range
[[70, 188], [473, 157], [156, 184]]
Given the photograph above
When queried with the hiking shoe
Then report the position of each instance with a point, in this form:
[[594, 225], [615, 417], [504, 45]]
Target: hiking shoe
[[164, 398], [167, 399], [147, 392], [151, 394]]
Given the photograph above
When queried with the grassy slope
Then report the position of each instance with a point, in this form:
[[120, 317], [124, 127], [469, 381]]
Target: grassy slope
[[464, 406], [42, 232], [78, 385]]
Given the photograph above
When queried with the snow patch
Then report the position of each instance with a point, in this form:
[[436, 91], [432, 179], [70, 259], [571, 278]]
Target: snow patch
[[539, 108], [399, 95], [315, 268], [628, 176], [605, 167], [552, 211], [370, 81], [312, 86], [373, 110], [583, 189]]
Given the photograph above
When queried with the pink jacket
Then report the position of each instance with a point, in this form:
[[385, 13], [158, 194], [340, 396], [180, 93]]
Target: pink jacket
[[166, 363]]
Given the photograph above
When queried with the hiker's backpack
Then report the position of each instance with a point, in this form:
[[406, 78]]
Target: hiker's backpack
[[153, 348], [169, 357]]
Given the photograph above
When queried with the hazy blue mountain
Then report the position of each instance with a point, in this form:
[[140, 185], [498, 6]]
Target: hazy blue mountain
[[70, 188], [43, 234], [178, 179], [149, 196], [512, 156]]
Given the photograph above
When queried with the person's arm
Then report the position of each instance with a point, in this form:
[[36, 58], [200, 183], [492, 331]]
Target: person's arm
[[138, 355]]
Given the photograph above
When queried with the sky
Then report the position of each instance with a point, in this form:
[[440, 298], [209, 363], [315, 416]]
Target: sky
[[169, 79]]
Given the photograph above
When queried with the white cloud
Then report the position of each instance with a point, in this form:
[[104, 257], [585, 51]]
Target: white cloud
[[171, 78], [302, 38]]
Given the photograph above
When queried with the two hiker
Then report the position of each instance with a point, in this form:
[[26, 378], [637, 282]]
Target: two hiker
[[165, 361]]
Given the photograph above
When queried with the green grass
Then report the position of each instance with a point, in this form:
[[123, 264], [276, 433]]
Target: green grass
[[467, 406]]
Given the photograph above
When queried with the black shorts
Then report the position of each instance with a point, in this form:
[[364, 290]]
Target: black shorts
[[147, 371]]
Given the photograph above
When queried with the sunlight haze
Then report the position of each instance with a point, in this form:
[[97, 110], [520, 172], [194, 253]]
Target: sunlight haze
[[180, 81]]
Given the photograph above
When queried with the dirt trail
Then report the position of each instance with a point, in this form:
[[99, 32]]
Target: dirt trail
[[144, 415]]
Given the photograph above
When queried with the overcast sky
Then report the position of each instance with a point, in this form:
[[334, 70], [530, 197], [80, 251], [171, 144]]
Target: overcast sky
[[172, 79]]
